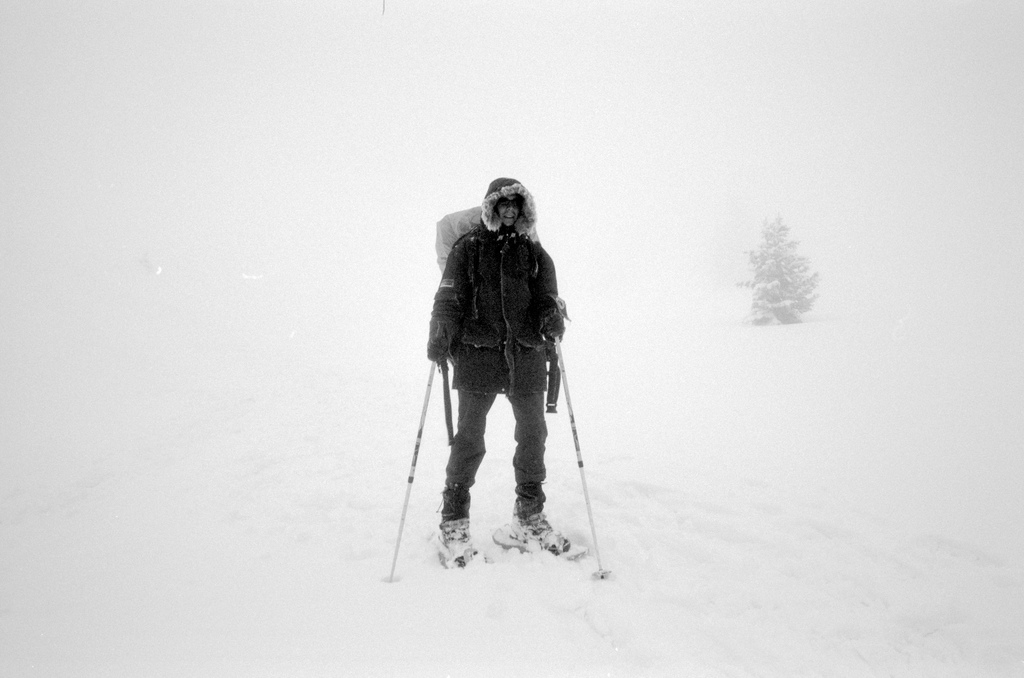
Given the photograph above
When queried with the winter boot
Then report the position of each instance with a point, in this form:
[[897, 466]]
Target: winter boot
[[455, 546], [529, 525], [535, 529]]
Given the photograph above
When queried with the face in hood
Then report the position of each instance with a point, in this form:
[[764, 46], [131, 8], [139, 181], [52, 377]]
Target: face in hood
[[502, 189]]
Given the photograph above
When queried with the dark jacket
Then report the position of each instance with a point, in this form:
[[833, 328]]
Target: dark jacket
[[497, 286]]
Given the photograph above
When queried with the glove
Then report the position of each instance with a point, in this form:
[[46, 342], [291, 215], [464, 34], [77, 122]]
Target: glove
[[439, 345], [552, 324]]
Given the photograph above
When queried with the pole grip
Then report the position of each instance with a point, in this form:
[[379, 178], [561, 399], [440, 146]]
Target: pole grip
[[554, 382], [447, 402]]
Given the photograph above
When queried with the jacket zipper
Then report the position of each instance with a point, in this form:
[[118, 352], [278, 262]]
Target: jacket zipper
[[507, 344]]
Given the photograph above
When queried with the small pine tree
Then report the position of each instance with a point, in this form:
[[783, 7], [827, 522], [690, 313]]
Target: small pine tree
[[783, 287]]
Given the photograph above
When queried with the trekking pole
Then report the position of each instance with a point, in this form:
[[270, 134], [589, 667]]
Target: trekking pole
[[412, 471], [601, 573]]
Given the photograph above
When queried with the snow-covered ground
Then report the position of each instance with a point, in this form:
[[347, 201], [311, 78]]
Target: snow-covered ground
[[234, 510]]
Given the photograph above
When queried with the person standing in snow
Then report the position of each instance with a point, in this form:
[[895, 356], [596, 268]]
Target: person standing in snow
[[495, 312]]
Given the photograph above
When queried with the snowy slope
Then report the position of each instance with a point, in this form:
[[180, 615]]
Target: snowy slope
[[246, 523]]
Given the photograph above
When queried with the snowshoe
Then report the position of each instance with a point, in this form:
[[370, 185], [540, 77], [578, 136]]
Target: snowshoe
[[454, 546], [535, 534]]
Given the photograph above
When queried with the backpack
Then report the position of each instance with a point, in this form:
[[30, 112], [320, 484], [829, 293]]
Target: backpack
[[453, 226]]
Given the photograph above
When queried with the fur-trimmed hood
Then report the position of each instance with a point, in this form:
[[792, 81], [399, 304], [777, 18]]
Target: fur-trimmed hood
[[526, 224]]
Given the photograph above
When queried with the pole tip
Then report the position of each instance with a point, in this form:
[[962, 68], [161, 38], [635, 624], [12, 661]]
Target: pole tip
[[602, 574]]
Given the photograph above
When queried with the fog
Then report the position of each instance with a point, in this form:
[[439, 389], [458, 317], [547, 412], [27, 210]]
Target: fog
[[215, 188]]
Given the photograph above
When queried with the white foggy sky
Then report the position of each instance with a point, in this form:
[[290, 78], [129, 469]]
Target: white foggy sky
[[241, 126], [317, 143]]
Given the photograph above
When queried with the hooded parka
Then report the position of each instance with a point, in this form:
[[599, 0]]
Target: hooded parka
[[497, 285]]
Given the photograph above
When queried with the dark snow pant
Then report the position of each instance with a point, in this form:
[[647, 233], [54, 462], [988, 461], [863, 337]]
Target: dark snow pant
[[468, 452]]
